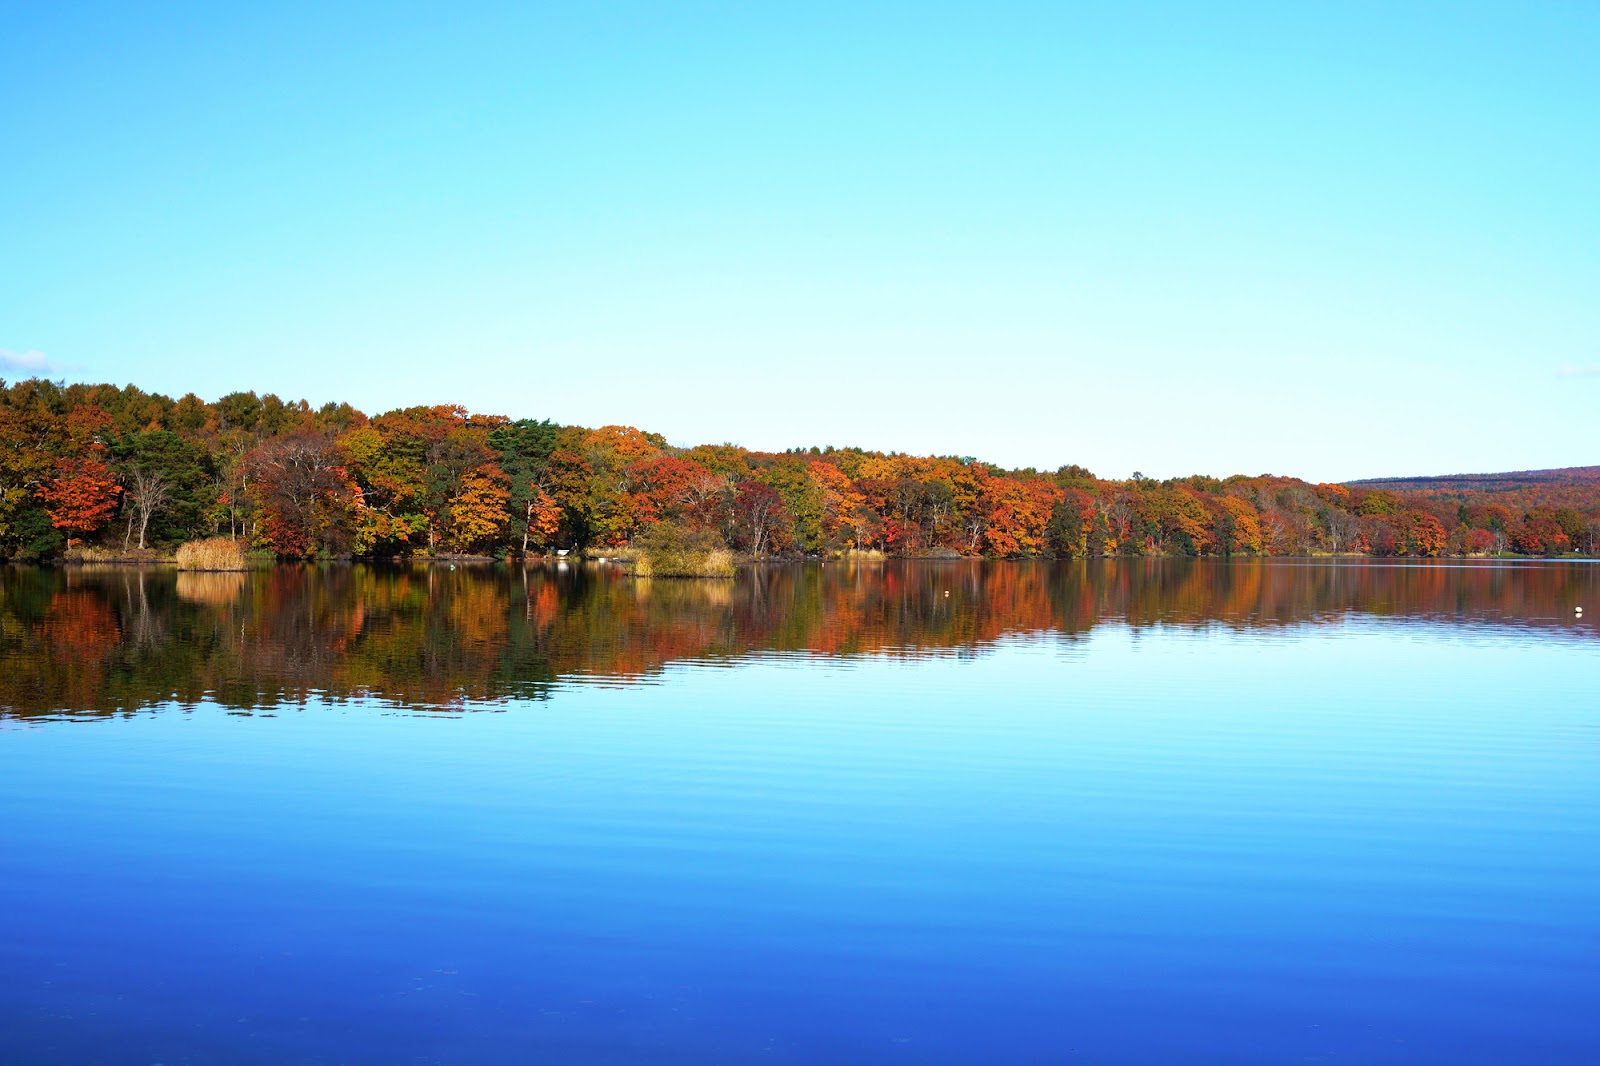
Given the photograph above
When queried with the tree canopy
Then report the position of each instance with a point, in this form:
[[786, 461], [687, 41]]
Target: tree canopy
[[116, 466]]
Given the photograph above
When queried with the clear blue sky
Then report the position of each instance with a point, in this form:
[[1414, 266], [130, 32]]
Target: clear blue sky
[[1332, 240]]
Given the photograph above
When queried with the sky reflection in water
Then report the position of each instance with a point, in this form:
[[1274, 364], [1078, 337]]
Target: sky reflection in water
[[1121, 813]]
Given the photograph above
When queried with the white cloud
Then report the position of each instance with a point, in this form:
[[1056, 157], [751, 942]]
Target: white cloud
[[29, 362], [1591, 371]]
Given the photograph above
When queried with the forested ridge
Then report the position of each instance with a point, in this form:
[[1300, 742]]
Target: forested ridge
[[88, 469]]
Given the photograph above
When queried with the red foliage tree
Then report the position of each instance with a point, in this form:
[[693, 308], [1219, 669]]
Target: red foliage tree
[[1539, 533], [81, 496], [304, 494], [757, 510], [668, 488]]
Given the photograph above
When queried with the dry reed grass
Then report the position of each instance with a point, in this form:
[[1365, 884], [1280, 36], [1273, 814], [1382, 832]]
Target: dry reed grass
[[624, 554], [213, 553], [80, 553]]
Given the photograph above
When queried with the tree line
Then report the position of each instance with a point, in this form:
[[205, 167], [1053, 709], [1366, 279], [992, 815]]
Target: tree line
[[108, 468]]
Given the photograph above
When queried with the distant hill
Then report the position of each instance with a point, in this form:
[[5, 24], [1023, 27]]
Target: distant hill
[[1577, 487], [1510, 481]]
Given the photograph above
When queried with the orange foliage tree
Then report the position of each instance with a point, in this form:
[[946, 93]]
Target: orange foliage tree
[[1425, 534]]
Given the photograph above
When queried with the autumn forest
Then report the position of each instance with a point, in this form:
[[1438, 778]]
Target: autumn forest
[[102, 471]]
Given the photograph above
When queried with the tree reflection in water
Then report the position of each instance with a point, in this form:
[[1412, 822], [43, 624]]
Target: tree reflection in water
[[89, 642]]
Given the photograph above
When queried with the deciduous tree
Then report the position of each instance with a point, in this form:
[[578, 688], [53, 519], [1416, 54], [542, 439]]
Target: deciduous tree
[[81, 496]]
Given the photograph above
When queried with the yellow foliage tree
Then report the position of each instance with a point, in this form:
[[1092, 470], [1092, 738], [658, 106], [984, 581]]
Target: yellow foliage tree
[[478, 511]]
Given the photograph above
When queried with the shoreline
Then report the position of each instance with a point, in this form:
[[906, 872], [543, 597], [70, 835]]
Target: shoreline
[[624, 563]]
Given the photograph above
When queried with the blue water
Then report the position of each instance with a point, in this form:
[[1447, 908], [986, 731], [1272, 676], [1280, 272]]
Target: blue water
[[1366, 839]]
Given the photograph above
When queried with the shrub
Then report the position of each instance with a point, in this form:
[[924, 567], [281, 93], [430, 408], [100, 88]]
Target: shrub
[[213, 553], [664, 550]]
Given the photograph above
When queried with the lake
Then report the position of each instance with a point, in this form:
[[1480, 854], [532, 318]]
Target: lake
[[922, 812]]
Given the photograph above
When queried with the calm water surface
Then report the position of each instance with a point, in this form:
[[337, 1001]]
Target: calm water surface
[[907, 812]]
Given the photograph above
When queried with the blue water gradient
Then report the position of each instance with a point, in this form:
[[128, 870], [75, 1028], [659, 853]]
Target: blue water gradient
[[1364, 842]]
